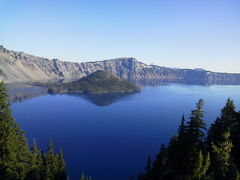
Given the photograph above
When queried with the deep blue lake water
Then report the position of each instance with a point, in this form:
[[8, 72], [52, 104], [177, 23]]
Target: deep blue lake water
[[110, 137]]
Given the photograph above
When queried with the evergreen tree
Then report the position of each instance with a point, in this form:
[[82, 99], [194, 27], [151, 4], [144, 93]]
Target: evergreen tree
[[44, 165], [82, 177], [196, 125], [160, 164], [182, 127], [228, 114], [195, 139], [149, 164], [51, 163], [200, 166], [174, 154], [222, 153], [36, 172], [225, 121], [178, 149], [61, 173], [148, 168], [161, 158], [236, 140], [17, 161], [15, 156], [189, 156], [141, 176], [235, 137]]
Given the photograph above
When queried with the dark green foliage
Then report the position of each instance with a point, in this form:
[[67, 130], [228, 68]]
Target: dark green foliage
[[17, 161], [37, 170], [83, 177], [61, 172], [149, 164], [196, 125], [182, 127], [224, 122], [15, 156], [222, 158], [51, 162], [227, 122], [160, 164], [141, 176], [99, 82], [47, 166], [191, 156]]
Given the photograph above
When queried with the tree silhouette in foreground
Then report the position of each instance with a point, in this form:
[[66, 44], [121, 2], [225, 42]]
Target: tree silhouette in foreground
[[196, 153], [17, 160]]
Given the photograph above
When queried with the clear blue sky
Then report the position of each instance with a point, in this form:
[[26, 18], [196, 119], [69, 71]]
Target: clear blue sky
[[174, 33]]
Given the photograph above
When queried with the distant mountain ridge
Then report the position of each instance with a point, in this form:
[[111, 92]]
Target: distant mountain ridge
[[18, 66]]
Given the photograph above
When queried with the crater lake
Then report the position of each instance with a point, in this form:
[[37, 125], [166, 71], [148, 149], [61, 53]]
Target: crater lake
[[110, 136]]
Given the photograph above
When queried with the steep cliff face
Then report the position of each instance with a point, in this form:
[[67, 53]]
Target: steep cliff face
[[18, 66]]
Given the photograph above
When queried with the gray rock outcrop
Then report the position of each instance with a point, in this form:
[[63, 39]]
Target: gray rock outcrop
[[18, 66]]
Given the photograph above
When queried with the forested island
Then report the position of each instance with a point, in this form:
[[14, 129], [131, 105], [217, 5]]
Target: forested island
[[99, 82]]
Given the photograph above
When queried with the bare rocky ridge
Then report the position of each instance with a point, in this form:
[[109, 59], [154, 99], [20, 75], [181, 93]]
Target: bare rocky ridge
[[19, 66]]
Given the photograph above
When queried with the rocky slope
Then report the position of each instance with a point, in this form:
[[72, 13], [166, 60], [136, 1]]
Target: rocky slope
[[18, 66]]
